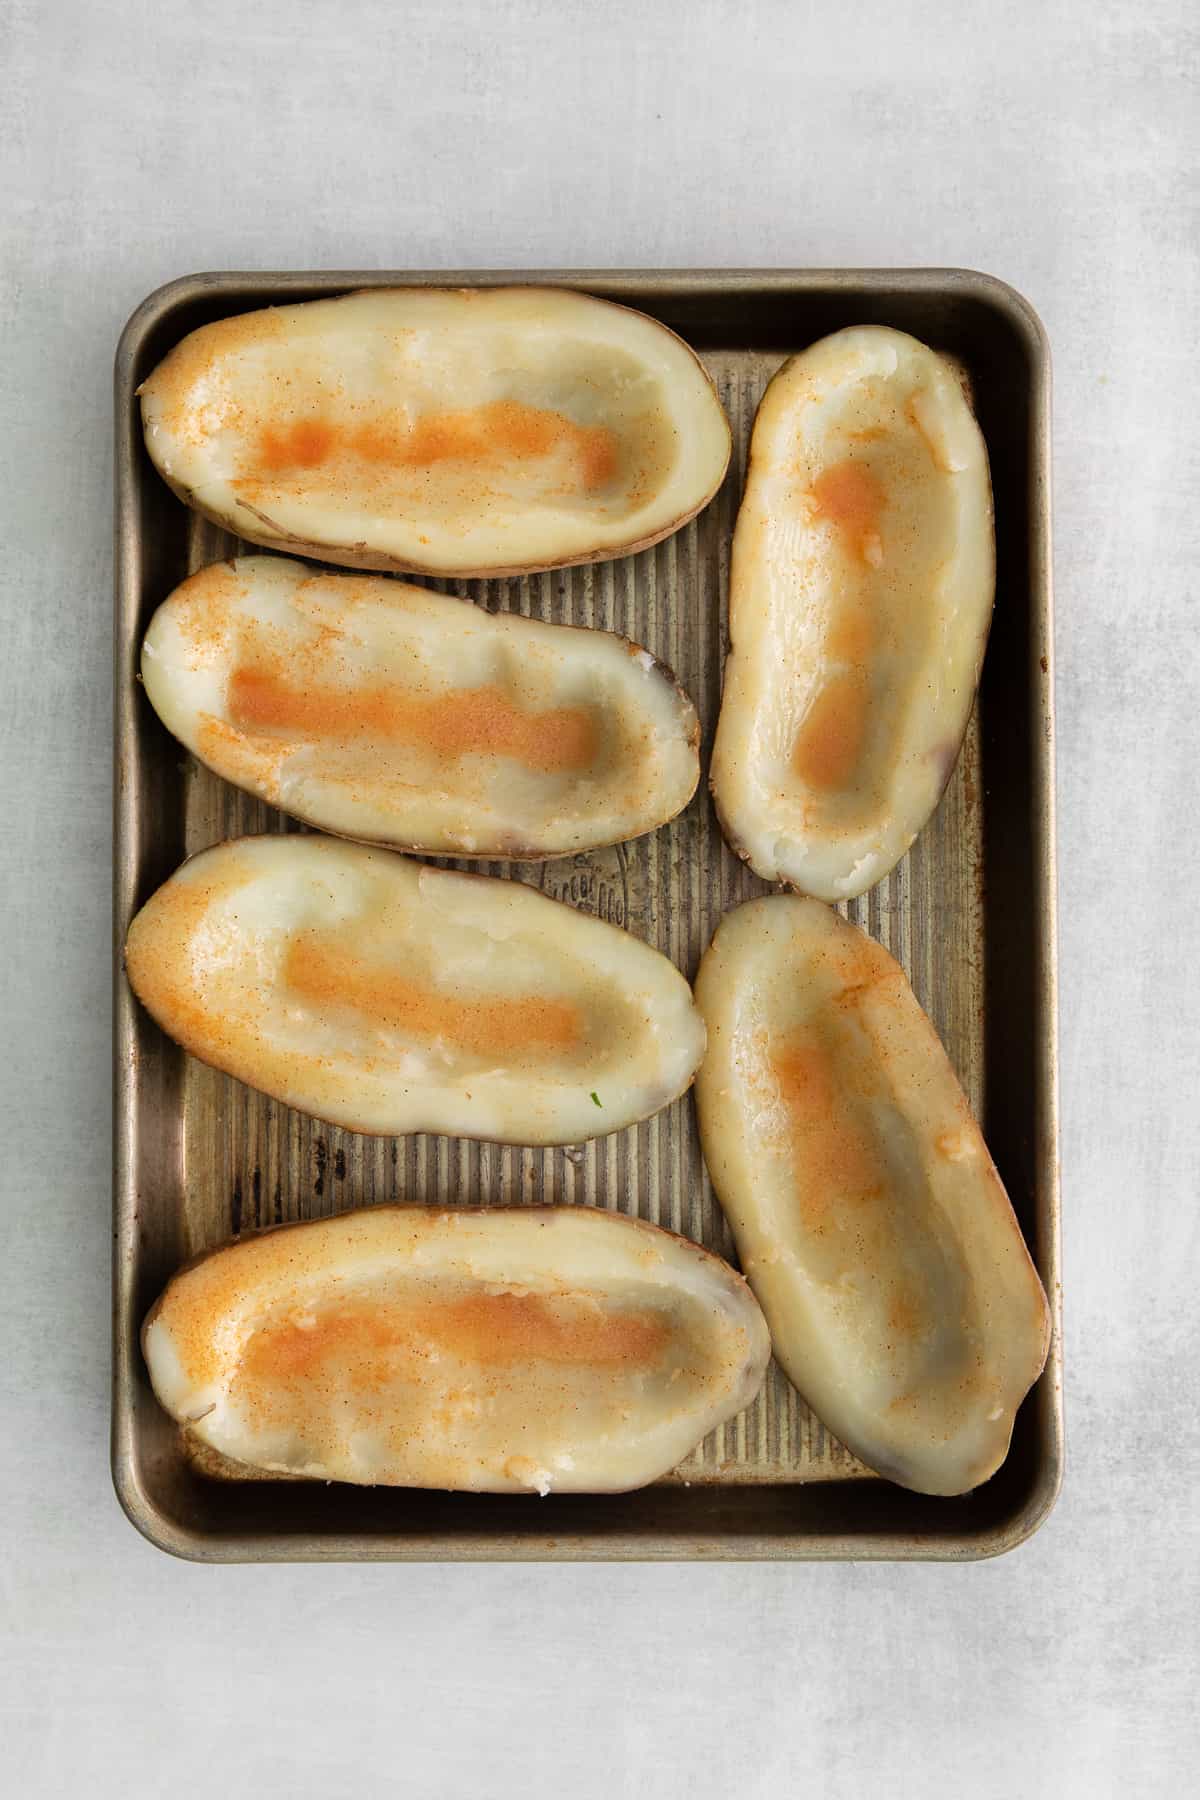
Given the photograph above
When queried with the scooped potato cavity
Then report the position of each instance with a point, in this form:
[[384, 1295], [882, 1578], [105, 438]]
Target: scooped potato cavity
[[388, 713], [861, 592], [485, 431], [869, 1217], [390, 997], [509, 1351]]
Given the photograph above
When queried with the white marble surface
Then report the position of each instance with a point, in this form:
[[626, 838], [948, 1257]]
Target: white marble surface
[[1057, 146]]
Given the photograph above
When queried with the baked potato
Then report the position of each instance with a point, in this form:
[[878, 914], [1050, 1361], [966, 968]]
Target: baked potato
[[389, 997], [483, 431], [869, 1217], [394, 715], [511, 1350], [861, 588]]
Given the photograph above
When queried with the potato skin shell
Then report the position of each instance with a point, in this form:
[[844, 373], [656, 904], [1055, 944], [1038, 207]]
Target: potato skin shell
[[358, 556]]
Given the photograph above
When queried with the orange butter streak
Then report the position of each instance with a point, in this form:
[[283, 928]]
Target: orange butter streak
[[325, 975], [466, 721], [365, 1340], [499, 431]]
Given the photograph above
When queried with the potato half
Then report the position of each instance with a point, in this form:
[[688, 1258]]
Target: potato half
[[505, 1351], [869, 1217], [480, 431], [860, 599], [385, 712], [389, 997]]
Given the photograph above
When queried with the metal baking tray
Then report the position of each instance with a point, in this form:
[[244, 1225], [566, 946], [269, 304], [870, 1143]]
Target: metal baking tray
[[969, 912]]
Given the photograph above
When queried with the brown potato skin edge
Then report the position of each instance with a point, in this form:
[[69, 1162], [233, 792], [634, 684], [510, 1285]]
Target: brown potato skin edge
[[357, 556]]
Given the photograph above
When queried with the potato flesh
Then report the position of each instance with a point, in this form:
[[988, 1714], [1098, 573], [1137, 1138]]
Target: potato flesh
[[868, 1215], [450, 431], [385, 712], [516, 1351], [861, 592], [388, 997]]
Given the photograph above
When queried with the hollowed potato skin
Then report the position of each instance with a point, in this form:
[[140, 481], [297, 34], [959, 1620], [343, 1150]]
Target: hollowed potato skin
[[511, 1350], [484, 432], [387, 713], [869, 1217], [861, 588], [389, 997]]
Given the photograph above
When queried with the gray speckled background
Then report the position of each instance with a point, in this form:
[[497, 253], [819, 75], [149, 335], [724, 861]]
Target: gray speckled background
[[1057, 147]]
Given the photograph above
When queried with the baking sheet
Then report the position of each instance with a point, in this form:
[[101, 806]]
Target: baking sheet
[[969, 913]]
